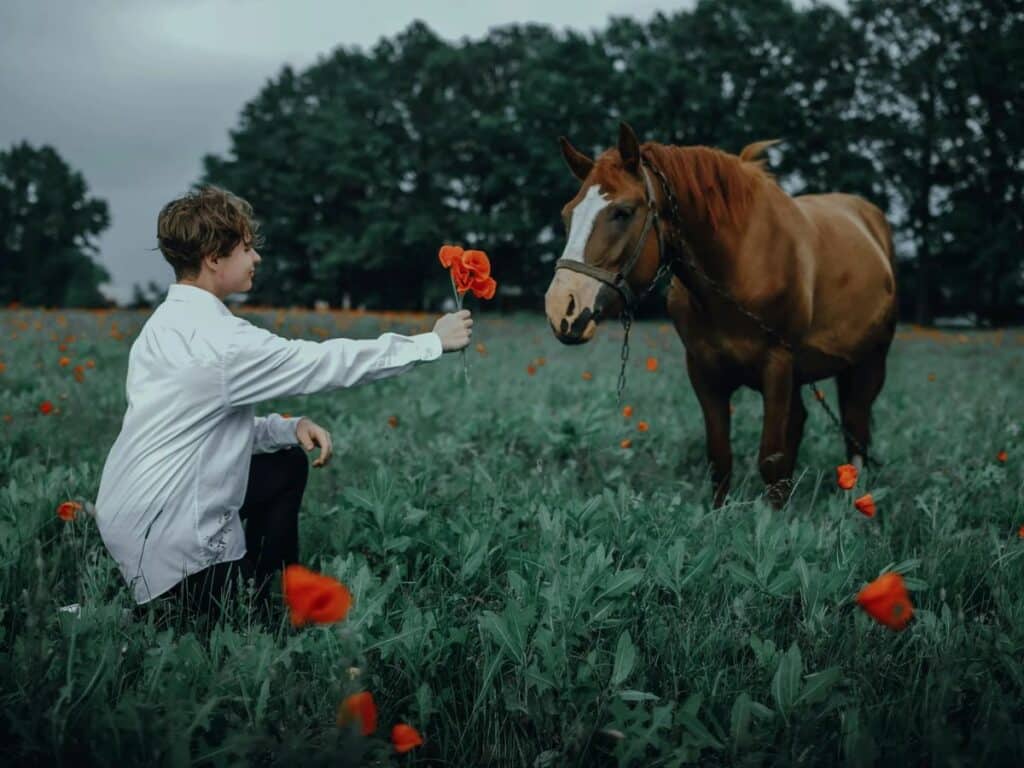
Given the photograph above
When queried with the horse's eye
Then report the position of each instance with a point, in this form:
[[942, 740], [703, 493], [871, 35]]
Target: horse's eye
[[621, 214]]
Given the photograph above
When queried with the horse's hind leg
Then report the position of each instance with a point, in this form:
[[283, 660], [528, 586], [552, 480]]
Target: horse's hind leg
[[858, 387]]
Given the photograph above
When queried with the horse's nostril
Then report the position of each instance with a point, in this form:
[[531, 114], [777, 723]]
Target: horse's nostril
[[572, 305], [563, 327]]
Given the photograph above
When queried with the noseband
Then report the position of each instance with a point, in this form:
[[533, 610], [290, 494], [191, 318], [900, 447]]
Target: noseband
[[618, 280]]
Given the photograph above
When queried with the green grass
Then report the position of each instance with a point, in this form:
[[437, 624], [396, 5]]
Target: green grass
[[528, 593]]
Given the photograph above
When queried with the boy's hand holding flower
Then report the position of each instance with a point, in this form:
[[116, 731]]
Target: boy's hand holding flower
[[455, 328]]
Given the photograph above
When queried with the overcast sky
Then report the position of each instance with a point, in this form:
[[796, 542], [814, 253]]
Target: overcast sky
[[132, 93]]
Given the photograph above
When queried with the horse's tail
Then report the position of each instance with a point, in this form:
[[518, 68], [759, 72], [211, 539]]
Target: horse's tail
[[751, 152]]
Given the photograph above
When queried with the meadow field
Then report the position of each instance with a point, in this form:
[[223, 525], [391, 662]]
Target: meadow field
[[529, 589]]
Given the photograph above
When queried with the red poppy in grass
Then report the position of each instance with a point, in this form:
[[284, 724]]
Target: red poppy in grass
[[1002, 456], [359, 706], [313, 597], [392, 421], [531, 369], [626, 443], [46, 407], [886, 601], [64, 361], [587, 375], [405, 738], [652, 363], [68, 510], [846, 476], [642, 426], [627, 412], [866, 505]]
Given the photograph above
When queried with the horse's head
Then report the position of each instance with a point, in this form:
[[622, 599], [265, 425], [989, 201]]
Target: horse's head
[[609, 253]]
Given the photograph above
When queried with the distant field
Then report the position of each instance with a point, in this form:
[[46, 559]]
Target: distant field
[[527, 591]]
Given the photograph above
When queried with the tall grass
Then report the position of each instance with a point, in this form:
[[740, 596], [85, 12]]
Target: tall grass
[[527, 592]]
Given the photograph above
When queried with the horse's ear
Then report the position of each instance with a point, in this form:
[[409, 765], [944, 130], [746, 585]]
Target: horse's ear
[[578, 163], [753, 152], [629, 149]]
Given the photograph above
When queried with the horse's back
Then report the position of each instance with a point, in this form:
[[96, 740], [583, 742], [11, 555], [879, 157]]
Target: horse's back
[[850, 255]]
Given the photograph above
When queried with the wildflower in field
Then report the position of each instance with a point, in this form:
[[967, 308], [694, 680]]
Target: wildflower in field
[[642, 426], [313, 597], [405, 738], [531, 369], [90, 364], [652, 364], [8, 418], [587, 375], [64, 361], [3, 367], [541, 361], [79, 372], [46, 407], [392, 421], [886, 601], [62, 348], [866, 505], [481, 349], [1002, 456], [627, 412], [469, 271], [68, 510], [359, 706], [1020, 532], [846, 476], [931, 377], [626, 443]]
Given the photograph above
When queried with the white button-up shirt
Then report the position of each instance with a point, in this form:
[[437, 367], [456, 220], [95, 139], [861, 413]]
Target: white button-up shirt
[[176, 476]]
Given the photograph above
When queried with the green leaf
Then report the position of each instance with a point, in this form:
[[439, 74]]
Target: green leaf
[[786, 682], [625, 657], [817, 685]]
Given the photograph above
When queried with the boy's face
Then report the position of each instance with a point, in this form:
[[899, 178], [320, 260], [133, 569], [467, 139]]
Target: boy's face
[[235, 272]]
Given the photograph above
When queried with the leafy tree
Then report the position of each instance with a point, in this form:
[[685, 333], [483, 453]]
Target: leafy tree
[[47, 228]]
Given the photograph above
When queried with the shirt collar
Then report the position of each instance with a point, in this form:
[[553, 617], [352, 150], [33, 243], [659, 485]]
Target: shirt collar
[[196, 297]]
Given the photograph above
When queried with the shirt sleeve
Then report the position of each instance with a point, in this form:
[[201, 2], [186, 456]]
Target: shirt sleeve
[[258, 365], [274, 432]]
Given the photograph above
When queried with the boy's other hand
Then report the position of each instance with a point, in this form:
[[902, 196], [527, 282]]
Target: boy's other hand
[[309, 434], [455, 328]]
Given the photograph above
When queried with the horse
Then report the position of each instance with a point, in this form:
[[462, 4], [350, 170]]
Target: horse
[[768, 291]]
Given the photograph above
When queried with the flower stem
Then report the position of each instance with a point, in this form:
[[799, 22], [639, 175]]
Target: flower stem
[[458, 304]]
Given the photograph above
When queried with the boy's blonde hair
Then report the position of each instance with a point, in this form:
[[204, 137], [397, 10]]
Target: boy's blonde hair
[[206, 221]]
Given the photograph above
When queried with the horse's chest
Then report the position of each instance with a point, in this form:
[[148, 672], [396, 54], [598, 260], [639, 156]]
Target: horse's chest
[[734, 356]]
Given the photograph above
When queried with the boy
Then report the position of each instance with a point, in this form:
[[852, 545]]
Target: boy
[[192, 461]]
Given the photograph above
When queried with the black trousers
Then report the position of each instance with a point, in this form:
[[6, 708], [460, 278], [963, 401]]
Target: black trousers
[[270, 516]]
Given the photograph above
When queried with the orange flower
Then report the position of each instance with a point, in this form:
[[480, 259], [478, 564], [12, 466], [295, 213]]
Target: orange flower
[[313, 597], [886, 601], [46, 407], [483, 287], [541, 361], [1002, 456], [628, 411], [79, 373], [392, 421], [531, 369], [62, 347], [90, 364], [67, 510], [626, 443], [931, 377], [64, 361], [587, 375], [481, 348], [449, 254], [1020, 532], [846, 476], [866, 505], [8, 418], [652, 363], [359, 706], [405, 738], [642, 426], [477, 263], [3, 367]]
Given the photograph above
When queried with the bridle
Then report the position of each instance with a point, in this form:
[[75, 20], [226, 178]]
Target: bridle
[[619, 280]]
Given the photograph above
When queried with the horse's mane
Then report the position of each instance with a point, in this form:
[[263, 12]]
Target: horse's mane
[[723, 185]]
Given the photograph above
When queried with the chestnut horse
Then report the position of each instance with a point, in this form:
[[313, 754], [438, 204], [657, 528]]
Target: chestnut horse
[[768, 291]]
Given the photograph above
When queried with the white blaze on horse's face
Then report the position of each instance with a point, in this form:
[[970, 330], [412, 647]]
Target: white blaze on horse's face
[[571, 297], [583, 217]]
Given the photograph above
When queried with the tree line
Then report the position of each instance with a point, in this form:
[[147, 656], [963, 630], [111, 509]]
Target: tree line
[[361, 165]]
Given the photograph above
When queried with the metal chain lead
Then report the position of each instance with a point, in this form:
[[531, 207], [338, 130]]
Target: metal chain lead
[[721, 291], [627, 322]]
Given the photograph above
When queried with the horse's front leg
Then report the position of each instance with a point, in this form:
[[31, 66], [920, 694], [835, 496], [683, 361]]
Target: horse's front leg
[[713, 394], [774, 460]]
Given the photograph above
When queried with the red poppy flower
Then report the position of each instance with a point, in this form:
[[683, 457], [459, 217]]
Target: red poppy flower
[[392, 421], [628, 411], [405, 738], [359, 706], [68, 510], [448, 254], [531, 370], [46, 407], [866, 505], [587, 375], [64, 361], [846, 476], [642, 426], [626, 443], [886, 601], [1002, 456], [652, 363], [313, 597]]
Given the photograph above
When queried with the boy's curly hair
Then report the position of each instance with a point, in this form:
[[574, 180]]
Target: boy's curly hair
[[208, 220]]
